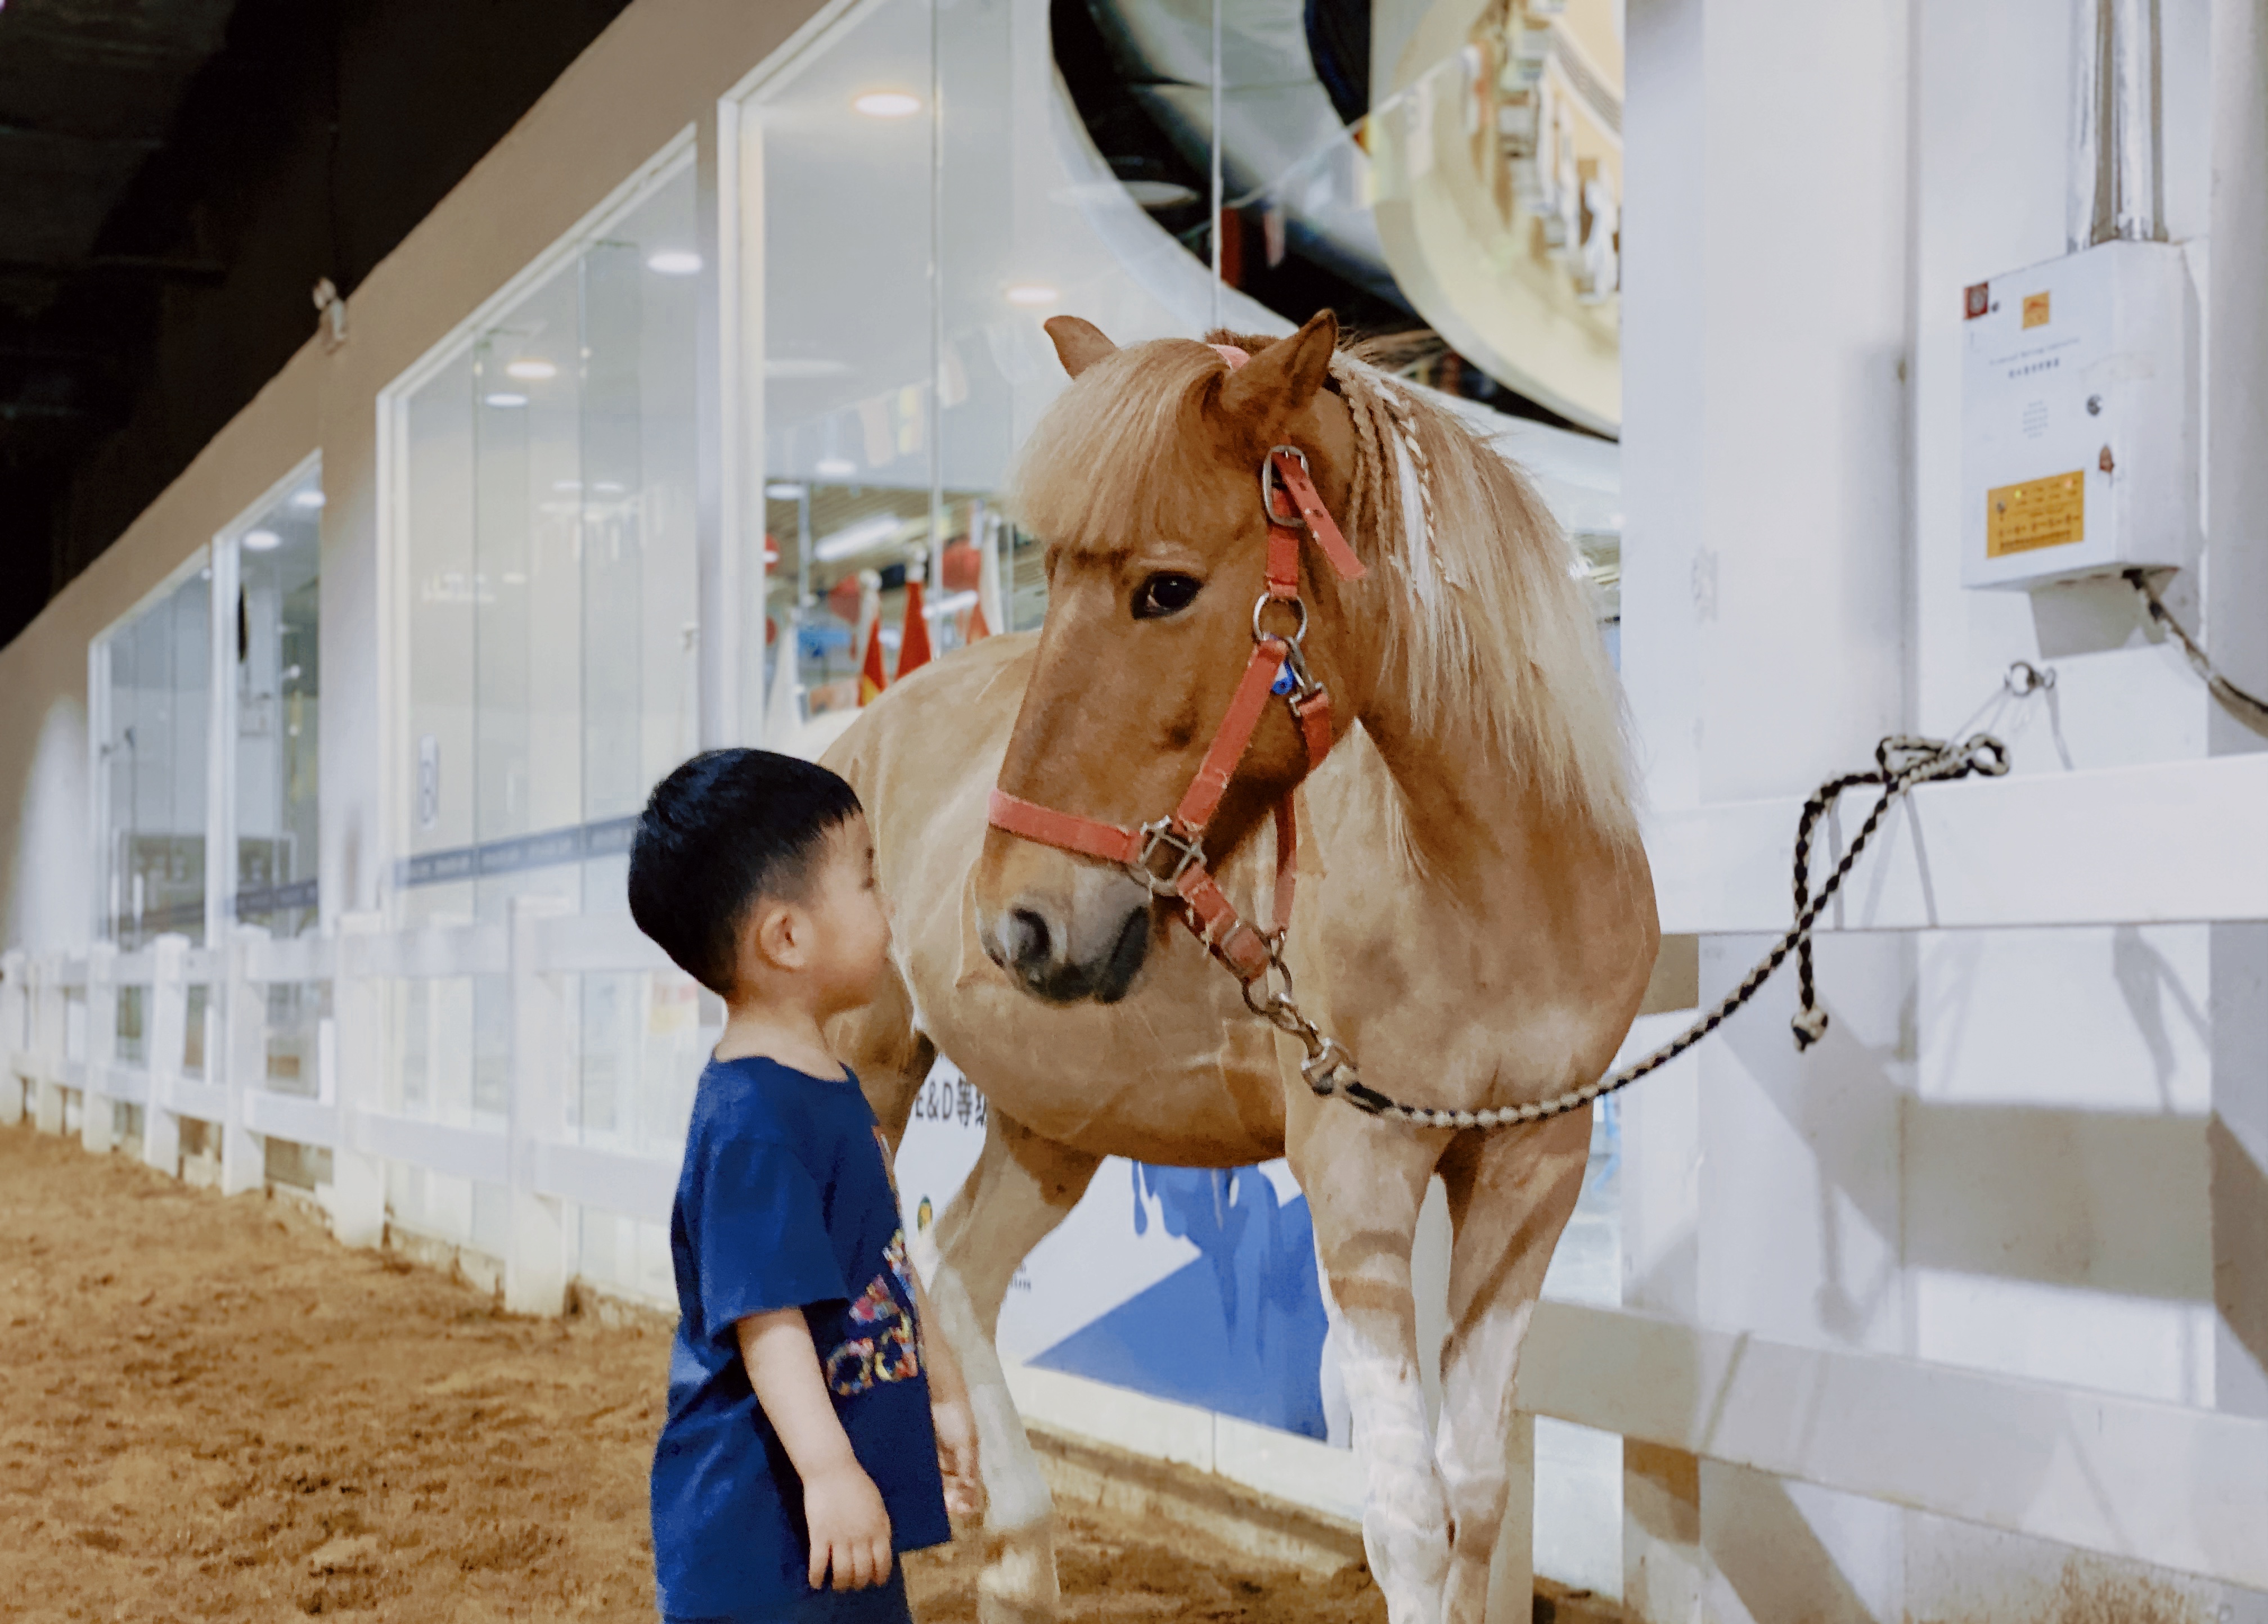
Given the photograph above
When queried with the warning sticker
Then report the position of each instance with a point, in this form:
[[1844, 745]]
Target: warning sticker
[[2035, 309], [2048, 512]]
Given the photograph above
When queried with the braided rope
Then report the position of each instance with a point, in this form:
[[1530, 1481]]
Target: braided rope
[[2233, 698], [1900, 764]]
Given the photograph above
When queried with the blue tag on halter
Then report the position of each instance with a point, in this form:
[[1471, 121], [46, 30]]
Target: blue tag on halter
[[1284, 681]]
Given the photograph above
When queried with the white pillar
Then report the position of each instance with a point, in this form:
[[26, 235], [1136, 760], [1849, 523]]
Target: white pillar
[[15, 1033], [358, 1004], [2236, 623], [1766, 299], [94, 1115], [535, 1249], [240, 1057]]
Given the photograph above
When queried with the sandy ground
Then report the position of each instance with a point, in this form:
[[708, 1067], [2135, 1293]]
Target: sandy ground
[[210, 1410]]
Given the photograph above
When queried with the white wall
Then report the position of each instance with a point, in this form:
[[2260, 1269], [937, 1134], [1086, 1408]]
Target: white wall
[[2016, 1151]]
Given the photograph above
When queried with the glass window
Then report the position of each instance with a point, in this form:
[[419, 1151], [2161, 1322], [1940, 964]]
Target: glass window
[[274, 675], [548, 535], [158, 666]]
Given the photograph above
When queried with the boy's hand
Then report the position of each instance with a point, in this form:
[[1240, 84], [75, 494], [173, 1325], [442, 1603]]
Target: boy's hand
[[849, 1529], [956, 1455]]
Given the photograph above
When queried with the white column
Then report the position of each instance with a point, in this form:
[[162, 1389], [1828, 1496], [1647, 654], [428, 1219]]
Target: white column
[[535, 1249], [1767, 294], [165, 1036], [240, 1057], [2236, 623], [358, 1007], [95, 1114], [15, 1033]]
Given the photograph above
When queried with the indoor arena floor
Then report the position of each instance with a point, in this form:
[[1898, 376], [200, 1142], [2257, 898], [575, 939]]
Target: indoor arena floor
[[213, 1411]]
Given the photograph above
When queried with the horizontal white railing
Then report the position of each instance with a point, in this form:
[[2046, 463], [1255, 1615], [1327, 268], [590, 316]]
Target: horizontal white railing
[[2135, 845], [2084, 1468]]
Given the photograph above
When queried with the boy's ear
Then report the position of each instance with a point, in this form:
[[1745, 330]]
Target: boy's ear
[[780, 934]]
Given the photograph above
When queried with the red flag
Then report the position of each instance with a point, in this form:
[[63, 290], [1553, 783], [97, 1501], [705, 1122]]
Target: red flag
[[914, 649], [975, 627], [871, 680]]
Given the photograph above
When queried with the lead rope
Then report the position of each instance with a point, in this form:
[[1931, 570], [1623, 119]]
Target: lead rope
[[1901, 763]]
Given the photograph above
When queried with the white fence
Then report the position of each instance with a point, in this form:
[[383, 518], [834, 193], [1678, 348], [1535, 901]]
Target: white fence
[[2085, 1468]]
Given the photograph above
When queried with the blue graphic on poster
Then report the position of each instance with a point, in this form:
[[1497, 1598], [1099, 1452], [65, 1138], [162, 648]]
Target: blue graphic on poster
[[1238, 1331]]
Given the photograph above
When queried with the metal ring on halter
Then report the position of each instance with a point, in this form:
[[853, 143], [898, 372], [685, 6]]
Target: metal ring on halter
[[1298, 605], [1321, 1073], [1188, 853], [1267, 485]]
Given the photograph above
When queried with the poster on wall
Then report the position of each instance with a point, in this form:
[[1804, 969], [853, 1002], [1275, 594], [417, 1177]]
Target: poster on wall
[[1196, 1285]]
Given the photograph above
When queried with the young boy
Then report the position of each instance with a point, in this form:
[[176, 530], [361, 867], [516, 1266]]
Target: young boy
[[813, 1430]]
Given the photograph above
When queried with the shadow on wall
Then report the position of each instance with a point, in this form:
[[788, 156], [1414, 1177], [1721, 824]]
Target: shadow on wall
[[1240, 1330], [45, 898]]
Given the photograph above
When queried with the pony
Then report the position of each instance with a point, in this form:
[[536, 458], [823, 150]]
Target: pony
[[1475, 923]]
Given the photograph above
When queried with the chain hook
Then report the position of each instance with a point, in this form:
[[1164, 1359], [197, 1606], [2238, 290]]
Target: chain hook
[[2023, 679]]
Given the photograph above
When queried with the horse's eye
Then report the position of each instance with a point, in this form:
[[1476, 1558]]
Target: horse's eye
[[1165, 594]]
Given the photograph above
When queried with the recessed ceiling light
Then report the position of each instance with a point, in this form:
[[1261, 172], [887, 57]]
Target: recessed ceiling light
[[309, 500], [262, 540], [783, 492], [888, 104], [566, 484], [609, 487], [1033, 293], [503, 398], [834, 467], [673, 262], [533, 369]]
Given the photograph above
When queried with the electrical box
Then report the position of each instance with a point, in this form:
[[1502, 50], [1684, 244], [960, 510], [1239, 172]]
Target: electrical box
[[2080, 418]]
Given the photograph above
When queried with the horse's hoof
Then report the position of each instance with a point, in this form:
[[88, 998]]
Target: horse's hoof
[[1018, 1585]]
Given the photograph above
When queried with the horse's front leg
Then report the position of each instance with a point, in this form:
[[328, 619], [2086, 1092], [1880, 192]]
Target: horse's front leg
[[1365, 1181], [1021, 1187], [1510, 1190]]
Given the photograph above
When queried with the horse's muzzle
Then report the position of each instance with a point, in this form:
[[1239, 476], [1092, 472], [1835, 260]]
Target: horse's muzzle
[[1050, 957]]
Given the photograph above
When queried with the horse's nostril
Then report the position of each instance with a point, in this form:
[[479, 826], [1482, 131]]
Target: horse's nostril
[[1028, 940]]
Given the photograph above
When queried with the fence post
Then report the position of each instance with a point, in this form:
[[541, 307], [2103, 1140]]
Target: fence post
[[15, 1036], [94, 1112], [242, 1055], [165, 1040], [535, 1247], [357, 1009], [1512, 1572], [50, 1041]]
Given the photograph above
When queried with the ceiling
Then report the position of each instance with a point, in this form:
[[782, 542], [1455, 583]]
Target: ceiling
[[176, 176]]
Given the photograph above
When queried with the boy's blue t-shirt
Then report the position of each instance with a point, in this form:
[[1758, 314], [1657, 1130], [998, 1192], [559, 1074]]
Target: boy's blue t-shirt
[[785, 1202]]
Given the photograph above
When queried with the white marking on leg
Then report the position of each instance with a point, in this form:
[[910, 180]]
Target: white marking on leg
[[1405, 1518], [1477, 1378]]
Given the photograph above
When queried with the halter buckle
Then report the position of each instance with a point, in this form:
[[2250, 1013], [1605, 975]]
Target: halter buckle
[[1187, 851], [1269, 488]]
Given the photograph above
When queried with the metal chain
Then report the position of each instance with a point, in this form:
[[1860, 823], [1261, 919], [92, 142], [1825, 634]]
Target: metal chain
[[2226, 691], [1901, 763]]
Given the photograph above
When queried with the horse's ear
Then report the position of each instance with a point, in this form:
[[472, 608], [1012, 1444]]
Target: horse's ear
[[1284, 376], [1078, 345]]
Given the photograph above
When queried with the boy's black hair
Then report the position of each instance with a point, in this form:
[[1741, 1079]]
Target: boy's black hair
[[724, 829]]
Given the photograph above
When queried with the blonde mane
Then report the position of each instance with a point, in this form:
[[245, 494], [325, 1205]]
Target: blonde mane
[[1493, 635]]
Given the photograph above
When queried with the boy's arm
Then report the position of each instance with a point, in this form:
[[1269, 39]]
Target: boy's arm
[[849, 1529], [949, 1408]]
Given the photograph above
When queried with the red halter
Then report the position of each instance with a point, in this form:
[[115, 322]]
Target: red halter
[[1277, 667]]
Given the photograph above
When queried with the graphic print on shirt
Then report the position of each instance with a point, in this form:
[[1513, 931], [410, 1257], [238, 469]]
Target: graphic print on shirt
[[886, 1347]]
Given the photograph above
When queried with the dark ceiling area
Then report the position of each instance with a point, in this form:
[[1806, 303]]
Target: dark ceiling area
[[175, 177]]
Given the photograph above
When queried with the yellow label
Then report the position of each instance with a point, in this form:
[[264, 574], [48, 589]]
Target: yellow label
[[2048, 512], [2035, 309]]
